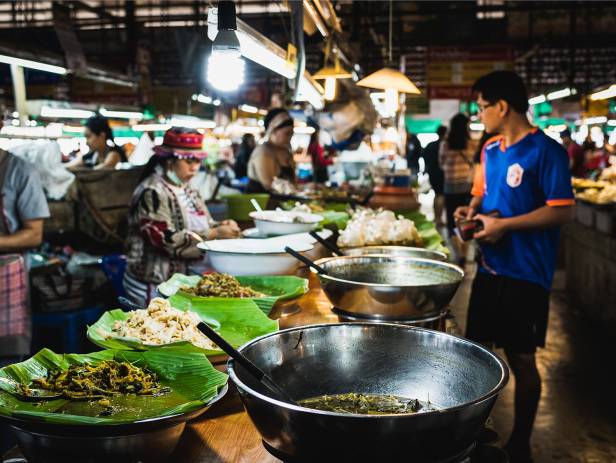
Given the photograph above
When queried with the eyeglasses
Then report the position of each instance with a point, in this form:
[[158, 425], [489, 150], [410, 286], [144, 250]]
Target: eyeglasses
[[482, 108]]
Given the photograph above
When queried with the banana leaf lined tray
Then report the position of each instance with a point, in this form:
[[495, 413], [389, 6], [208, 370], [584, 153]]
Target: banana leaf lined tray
[[191, 377], [276, 287], [236, 320]]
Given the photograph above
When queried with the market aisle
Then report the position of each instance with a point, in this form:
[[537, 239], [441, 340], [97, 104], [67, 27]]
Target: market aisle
[[575, 422]]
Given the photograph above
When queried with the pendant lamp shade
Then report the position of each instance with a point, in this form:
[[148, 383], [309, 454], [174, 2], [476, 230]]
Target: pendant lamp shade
[[388, 78]]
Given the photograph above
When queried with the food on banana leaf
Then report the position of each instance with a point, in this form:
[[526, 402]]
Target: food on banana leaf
[[366, 404], [368, 227], [162, 324], [220, 285], [108, 378]]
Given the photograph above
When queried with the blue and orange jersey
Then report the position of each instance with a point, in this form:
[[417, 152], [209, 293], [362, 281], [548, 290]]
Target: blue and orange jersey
[[516, 180]]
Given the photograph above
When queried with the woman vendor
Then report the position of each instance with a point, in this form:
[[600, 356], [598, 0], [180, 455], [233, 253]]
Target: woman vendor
[[104, 153], [167, 217], [272, 158]]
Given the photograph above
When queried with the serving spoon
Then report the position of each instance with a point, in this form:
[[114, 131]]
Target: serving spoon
[[250, 367], [305, 260], [331, 246]]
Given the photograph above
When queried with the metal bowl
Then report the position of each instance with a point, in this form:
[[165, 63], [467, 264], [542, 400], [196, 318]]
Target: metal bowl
[[461, 378], [392, 288], [403, 251], [151, 440]]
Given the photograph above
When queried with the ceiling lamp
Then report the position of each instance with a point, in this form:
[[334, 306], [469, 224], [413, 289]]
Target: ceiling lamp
[[330, 74], [225, 67], [391, 80]]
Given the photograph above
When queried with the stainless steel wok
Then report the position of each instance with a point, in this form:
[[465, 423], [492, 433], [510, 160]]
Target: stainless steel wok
[[461, 378], [403, 251], [391, 288]]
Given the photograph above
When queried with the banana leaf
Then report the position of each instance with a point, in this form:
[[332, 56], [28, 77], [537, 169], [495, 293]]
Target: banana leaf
[[236, 320], [276, 287], [192, 379]]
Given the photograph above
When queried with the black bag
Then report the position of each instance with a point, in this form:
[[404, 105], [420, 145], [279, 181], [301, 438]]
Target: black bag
[[56, 290]]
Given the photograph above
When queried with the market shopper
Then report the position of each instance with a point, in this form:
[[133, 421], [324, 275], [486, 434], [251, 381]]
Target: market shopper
[[167, 217], [412, 152], [272, 159], [318, 156], [240, 167], [430, 155], [524, 175], [104, 153], [575, 152], [456, 160]]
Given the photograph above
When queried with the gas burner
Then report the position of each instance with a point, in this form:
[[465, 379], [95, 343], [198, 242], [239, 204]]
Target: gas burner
[[475, 453], [436, 322]]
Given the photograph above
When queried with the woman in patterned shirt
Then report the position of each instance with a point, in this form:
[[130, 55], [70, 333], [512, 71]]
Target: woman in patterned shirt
[[167, 217]]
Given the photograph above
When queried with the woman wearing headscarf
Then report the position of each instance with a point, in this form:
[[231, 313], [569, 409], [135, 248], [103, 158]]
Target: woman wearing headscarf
[[273, 158], [167, 217], [104, 153]]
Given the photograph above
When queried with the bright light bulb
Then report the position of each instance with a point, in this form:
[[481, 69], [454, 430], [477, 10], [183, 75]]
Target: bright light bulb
[[225, 71], [330, 88]]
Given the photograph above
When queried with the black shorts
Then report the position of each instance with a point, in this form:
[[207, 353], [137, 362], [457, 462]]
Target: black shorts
[[508, 313]]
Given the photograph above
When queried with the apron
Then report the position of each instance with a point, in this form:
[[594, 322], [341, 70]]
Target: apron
[[254, 186]]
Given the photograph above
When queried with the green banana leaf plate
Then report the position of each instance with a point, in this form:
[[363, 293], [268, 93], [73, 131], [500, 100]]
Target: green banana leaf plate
[[193, 381], [276, 287], [236, 320]]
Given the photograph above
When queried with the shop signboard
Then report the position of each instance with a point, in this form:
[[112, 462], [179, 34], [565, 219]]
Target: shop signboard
[[451, 71]]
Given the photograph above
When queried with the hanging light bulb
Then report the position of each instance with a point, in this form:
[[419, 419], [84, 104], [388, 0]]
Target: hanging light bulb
[[330, 88], [225, 67]]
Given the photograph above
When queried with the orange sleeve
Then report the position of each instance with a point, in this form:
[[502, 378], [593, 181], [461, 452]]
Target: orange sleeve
[[560, 202], [478, 180]]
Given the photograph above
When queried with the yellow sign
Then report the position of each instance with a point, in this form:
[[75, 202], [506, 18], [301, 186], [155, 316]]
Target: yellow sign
[[291, 55]]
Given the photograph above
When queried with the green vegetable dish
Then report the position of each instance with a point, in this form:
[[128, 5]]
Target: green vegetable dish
[[366, 404]]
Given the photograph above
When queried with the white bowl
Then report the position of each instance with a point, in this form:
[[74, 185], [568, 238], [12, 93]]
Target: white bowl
[[275, 223], [253, 256]]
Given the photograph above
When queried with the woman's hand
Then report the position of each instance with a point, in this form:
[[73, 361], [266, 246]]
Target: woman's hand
[[227, 229]]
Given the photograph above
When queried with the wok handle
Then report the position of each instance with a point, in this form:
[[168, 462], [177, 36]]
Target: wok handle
[[332, 247]]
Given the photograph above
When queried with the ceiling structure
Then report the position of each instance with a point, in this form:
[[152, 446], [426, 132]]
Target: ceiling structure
[[552, 44]]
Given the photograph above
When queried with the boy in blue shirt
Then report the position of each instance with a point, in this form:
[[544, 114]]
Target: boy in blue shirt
[[524, 175]]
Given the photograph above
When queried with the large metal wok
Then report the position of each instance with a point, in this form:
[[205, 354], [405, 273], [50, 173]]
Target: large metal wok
[[380, 287], [461, 378]]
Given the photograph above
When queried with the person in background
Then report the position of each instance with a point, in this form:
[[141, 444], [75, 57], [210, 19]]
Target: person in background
[[413, 152], [525, 176], [575, 152], [167, 217], [243, 155], [23, 208], [320, 160], [272, 158], [104, 153], [456, 160], [433, 169]]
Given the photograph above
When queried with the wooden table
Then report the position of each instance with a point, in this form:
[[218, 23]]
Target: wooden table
[[225, 433]]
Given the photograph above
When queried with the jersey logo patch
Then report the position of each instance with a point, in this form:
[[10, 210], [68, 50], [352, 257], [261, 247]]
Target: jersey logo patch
[[514, 175]]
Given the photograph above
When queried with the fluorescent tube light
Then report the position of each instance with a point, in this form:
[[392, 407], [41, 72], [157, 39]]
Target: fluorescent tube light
[[595, 120], [304, 130], [564, 93], [151, 127], [611, 122], [121, 114], [476, 126], [67, 113], [609, 92], [26, 63], [536, 100], [249, 109]]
